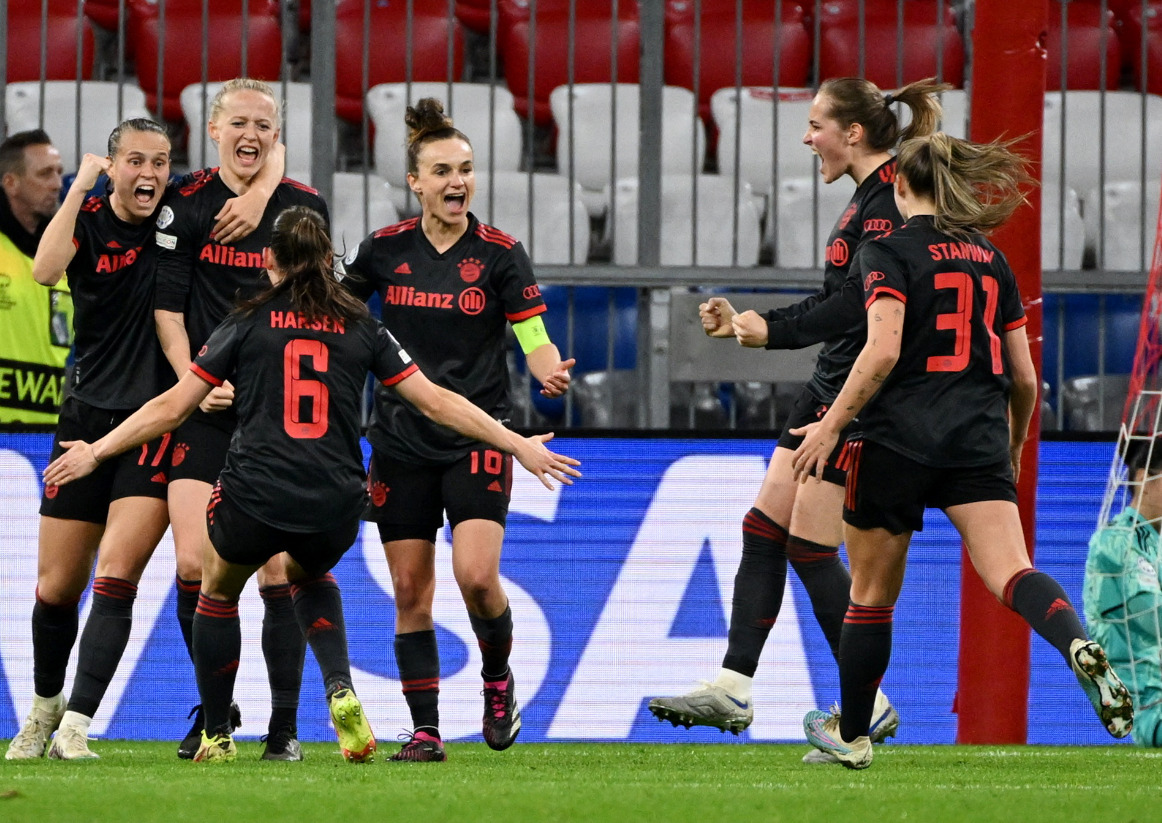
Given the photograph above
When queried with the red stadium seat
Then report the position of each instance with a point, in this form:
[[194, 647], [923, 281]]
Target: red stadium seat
[[474, 14], [717, 46], [1130, 34], [931, 47], [1086, 27], [23, 31], [426, 40], [594, 33], [104, 12], [182, 48]]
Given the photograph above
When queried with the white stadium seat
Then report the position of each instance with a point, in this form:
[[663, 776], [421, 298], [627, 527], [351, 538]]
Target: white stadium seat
[[713, 245], [1062, 243], [754, 118], [803, 215], [350, 221], [100, 112], [1120, 244], [606, 122], [505, 200]]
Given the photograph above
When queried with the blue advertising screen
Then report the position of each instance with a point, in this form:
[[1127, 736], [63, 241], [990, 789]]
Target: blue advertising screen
[[620, 588]]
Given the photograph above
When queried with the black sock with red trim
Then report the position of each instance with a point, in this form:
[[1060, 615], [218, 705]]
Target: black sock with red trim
[[418, 660], [319, 611], [1039, 599], [102, 642], [284, 648], [217, 646], [54, 631], [187, 605], [494, 637], [758, 591], [864, 651], [827, 583]]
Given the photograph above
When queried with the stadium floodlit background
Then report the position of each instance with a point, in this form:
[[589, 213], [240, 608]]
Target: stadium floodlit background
[[645, 152]]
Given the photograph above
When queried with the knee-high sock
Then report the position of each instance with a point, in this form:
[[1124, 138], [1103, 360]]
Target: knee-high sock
[[494, 636], [217, 645], [827, 583], [102, 642], [54, 630], [758, 591], [1039, 599], [187, 605], [285, 648], [864, 651], [319, 611], [418, 660]]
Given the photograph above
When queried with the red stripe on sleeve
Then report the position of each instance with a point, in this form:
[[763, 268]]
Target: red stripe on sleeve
[[1016, 324], [526, 314], [408, 372], [884, 291], [205, 375]]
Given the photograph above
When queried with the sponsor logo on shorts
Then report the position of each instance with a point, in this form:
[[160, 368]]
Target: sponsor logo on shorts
[[158, 478], [179, 453], [494, 486]]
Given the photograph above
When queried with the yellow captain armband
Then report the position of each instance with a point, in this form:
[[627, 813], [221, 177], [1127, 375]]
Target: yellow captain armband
[[531, 333]]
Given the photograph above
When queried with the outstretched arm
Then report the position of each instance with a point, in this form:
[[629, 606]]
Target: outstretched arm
[[56, 249]]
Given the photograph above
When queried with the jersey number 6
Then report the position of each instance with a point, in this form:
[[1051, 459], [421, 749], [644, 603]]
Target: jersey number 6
[[305, 401]]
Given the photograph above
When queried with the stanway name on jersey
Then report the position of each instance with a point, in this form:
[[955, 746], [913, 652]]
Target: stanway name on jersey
[[409, 296], [961, 251], [227, 256], [294, 320]]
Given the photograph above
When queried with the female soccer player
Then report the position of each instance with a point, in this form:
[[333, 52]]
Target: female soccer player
[[105, 246], [199, 277], [450, 287], [945, 388], [853, 129], [298, 354]]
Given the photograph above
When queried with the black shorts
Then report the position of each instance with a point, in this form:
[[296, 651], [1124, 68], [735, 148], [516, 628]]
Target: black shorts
[[408, 501], [199, 450], [241, 539], [140, 472], [808, 409], [887, 490]]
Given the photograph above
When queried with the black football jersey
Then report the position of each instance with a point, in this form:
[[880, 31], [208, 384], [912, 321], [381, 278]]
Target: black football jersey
[[946, 401], [295, 460], [835, 315], [450, 312], [118, 363], [205, 279]]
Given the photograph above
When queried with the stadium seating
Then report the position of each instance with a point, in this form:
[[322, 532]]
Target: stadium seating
[[1131, 30], [349, 222], [427, 47], [1089, 31], [1121, 224], [238, 45], [606, 123], [474, 14], [752, 113], [99, 112], [296, 126], [712, 244], [1073, 129], [23, 31], [894, 52], [537, 210], [716, 45], [801, 217], [105, 13], [594, 35], [482, 112], [954, 120], [1063, 235], [1095, 403]]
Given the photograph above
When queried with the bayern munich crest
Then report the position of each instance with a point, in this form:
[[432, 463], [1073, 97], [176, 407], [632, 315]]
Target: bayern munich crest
[[471, 269]]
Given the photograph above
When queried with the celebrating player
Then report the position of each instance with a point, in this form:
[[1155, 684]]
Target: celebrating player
[[945, 388], [853, 129], [199, 277], [105, 246], [298, 354], [450, 287]]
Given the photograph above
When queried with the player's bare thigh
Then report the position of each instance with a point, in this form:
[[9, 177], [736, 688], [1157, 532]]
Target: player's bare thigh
[[188, 499], [66, 550], [135, 527], [476, 547], [412, 564], [811, 511], [878, 559], [992, 533]]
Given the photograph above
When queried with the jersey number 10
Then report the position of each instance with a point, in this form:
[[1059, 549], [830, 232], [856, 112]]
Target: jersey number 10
[[960, 321], [304, 401]]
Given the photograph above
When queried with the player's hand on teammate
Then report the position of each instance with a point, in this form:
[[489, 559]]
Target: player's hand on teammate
[[545, 464], [716, 314], [219, 398], [810, 458], [75, 462], [92, 167], [750, 329], [557, 383]]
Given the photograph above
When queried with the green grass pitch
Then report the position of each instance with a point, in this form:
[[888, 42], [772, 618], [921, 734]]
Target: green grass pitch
[[144, 781]]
